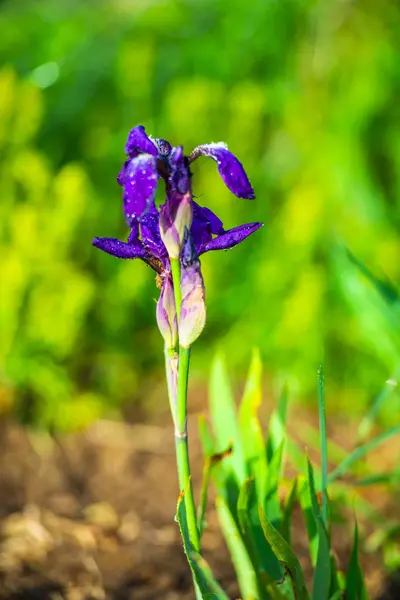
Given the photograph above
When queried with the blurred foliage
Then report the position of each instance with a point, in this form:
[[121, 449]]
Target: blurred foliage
[[305, 93]]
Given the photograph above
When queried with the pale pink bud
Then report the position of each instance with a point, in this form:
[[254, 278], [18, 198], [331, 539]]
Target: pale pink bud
[[166, 312], [193, 307], [176, 217]]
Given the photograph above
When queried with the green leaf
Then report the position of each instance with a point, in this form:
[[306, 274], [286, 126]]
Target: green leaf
[[271, 503], [250, 428], [324, 450], [288, 511], [362, 451], [263, 558], [201, 514], [208, 587], [244, 568], [224, 421], [311, 525], [355, 586], [277, 425], [322, 574], [285, 555]]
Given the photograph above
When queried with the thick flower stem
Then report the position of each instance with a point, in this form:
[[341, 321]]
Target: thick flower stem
[[181, 433]]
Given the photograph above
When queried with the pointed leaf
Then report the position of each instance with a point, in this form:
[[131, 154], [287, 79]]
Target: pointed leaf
[[355, 586], [285, 554], [207, 585], [224, 422], [240, 556]]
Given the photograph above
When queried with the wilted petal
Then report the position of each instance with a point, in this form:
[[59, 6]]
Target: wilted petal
[[139, 180], [120, 249], [229, 167], [166, 313], [139, 143], [231, 238]]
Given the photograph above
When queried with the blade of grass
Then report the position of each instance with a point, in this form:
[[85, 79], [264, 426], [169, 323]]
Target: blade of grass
[[288, 511], [250, 427], [322, 574], [367, 423], [362, 451], [223, 418], [277, 424], [240, 556], [355, 586], [324, 451]]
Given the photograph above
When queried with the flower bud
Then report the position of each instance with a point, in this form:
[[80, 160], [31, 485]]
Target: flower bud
[[166, 313], [193, 307], [176, 216]]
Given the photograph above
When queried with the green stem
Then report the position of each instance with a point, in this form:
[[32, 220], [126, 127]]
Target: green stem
[[181, 433]]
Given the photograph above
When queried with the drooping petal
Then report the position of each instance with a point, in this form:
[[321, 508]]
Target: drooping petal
[[139, 143], [207, 216], [230, 238], [139, 180], [120, 249], [205, 225], [229, 167]]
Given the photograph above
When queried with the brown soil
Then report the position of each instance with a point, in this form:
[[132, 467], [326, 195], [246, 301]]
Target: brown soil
[[90, 516]]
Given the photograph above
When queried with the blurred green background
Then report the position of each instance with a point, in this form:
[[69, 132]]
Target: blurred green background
[[305, 93]]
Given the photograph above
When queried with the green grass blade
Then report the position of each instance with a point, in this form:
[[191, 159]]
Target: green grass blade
[[208, 587], [277, 425], [355, 586], [250, 427], [362, 451], [267, 566], [287, 557], [288, 511], [224, 421], [244, 568], [271, 504], [369, 419], [324, 450], [310, 522], [322, 574], [201, 514]]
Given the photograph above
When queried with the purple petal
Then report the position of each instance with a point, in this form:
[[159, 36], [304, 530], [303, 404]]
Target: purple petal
[[139, 179], [231, 238], [229, 167], [206, 215], [205, 225], [164, 147], [139, 143], [120, 249], [150, 228]]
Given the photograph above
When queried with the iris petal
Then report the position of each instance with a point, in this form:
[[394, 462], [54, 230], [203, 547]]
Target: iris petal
[[120, 249], [139, 180], [139, 143], [229, 167], [231, 238]]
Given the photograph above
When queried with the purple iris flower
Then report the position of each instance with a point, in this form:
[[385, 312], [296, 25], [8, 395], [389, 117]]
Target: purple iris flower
[[151, 159], [152, 230]]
